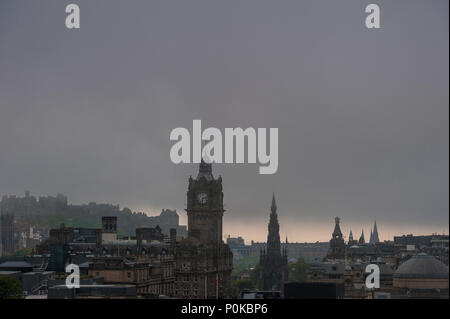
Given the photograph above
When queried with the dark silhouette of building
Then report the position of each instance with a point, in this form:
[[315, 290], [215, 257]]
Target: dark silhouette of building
[[9, 242], [351, 240], [337, 244], [374, 235], [203, 261], [418, 241], [152, 275], [167, 220], [109, 228], [59, 257], [361, 240], [273, 262], [314, 290]]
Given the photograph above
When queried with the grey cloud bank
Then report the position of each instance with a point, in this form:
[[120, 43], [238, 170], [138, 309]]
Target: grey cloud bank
[[362, 114]]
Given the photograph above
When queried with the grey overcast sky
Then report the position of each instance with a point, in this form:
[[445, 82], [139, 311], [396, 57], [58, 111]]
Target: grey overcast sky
[[363, 115]]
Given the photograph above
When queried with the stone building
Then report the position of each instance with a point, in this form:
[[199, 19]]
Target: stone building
[[238, 248], [203, 261], [8, 234], [351, 274], [337, 244], [101, 241], [109, 228], [168, 219], [273, 263], [295, 250], [151, 275]]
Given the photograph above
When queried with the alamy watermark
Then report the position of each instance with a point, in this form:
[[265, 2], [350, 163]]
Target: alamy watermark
[[73, 279], [229, 148], [373, 279]]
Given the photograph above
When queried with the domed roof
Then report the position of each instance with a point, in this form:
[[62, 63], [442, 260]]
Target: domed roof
[[422, 266]]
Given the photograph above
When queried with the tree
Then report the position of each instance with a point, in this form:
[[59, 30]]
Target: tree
[[23, 251], [10, 288], [254, 275]]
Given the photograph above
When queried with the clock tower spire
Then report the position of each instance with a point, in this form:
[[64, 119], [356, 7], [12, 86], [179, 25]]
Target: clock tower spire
[[205, 206], [203, 261]]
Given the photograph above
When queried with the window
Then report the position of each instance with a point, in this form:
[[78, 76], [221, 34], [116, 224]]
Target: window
[[129, 274]]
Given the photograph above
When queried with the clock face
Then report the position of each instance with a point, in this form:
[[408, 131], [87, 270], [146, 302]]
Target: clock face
[[202, 198]]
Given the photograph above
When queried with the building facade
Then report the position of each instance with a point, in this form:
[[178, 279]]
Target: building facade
[[203, 261], [337, 245], [8, 235], [151, 275]]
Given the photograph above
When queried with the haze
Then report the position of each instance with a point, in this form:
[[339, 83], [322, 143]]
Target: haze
[[362, 114]]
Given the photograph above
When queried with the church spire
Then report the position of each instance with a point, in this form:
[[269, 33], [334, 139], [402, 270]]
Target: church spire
[[374, 238], [273, 237], [361, 239], [273, 267], [350, 237], [273, 207]]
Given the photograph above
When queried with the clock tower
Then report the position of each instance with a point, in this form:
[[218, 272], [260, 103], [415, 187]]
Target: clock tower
[[203, 261], [205, 206]]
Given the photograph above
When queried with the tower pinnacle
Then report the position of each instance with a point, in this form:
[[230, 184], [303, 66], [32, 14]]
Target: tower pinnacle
[[374, 238], [337, 229], [273, 207], [205, 170]]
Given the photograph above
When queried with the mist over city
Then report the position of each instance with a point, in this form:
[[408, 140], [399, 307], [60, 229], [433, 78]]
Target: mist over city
[[96, 98]]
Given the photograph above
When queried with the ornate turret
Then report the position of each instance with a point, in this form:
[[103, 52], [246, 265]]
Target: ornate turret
[[350, 238], [337, 229], [337, 244]]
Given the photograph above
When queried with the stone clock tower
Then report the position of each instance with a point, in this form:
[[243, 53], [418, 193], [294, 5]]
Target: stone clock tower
[[203, 261], [205, 206]]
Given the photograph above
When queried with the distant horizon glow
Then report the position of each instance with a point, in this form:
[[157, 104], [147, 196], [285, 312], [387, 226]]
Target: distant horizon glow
[[301, 230], [304, 230]]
